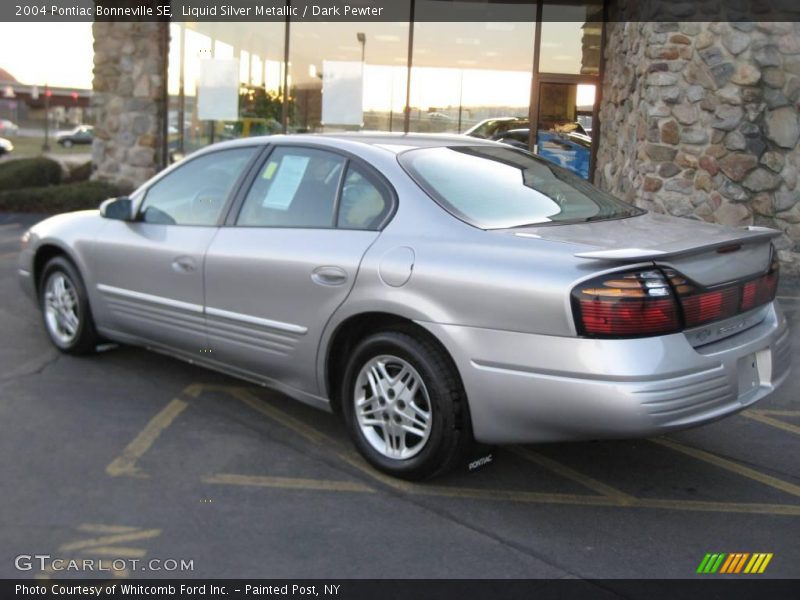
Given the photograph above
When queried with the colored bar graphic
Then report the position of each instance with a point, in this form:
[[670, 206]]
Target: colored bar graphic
[[728, 564], [740, 564], [765, 563], [751, 564], [703, 563], [717, 564], [734, 562]]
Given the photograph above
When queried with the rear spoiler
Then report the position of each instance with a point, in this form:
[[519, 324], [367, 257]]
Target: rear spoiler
[[746, 235]]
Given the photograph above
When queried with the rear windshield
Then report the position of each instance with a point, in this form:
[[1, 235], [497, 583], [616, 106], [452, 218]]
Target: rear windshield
[[493, 187]]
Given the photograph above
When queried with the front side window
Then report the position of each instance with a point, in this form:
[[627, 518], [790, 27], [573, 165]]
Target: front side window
[[296, 187], [494, 187], [195, 193]]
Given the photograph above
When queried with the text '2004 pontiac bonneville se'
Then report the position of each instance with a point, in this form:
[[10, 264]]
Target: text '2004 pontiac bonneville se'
[[433, 290]]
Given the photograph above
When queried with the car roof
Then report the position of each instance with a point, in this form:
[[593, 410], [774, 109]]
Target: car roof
[[391, 142]]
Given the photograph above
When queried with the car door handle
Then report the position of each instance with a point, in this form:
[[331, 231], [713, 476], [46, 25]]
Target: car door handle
[[329, 275], [184, 264]]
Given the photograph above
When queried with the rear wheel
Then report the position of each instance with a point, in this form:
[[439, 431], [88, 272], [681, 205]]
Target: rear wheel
[[65, 308], [404, 405]]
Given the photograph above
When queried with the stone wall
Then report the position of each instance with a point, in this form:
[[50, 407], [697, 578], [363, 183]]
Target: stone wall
[[129, 99], [700, 120]]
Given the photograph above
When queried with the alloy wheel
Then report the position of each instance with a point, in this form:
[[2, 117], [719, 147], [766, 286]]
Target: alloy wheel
[[392, 407], [61, 308]]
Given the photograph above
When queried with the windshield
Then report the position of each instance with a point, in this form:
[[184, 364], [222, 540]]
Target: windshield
[[496, 188]]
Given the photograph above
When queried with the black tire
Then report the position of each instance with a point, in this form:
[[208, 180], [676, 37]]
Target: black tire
[[85, 339], [450, 432]]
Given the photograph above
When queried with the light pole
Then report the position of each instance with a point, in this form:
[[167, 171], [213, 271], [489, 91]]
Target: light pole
[[47, 94], [362, 39]]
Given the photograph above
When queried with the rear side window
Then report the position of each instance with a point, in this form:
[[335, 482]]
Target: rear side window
[[365, 200], [296, 187], [494, 187]]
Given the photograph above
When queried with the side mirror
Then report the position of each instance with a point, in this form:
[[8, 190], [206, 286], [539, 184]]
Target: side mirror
[[117, 208]]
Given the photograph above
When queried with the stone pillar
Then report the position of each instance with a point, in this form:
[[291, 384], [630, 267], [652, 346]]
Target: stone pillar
[[130, 100], [701, 120]]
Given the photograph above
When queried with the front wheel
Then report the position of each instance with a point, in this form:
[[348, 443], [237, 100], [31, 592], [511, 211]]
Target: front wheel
[[65, 308], [404, 405]]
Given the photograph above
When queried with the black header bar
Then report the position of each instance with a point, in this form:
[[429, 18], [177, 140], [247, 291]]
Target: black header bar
[[397, 10]]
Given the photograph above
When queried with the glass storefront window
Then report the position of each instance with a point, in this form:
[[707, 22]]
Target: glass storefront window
[[472, 77], [347, 76], [256, 52], [471, 73], [571, 35]]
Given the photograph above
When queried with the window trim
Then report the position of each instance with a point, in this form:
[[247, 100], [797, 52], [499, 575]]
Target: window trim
[[139, 217], [349, 158]]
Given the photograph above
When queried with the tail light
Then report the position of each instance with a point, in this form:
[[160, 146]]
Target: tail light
[[659, 301], [632, 304], [706, 305], [762, 290]]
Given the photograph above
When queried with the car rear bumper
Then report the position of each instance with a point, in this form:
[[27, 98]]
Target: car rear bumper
[[535, 388]]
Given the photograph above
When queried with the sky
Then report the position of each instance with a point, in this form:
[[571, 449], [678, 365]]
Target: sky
[[59, 54]]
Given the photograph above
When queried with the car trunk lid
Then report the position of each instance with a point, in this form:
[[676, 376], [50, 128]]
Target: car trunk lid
[[708, 254], [718, 275]]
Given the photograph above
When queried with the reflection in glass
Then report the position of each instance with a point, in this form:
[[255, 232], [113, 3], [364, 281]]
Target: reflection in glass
[[465, 73], [259, 49], [493, 187], [565, 125], [347, 76], [571, 36]]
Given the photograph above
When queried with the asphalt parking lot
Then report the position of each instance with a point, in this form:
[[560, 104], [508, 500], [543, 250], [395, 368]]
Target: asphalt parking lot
[[129, 454]]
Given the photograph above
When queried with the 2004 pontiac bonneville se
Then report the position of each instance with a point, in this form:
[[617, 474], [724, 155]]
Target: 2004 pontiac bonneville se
[[434, 290]]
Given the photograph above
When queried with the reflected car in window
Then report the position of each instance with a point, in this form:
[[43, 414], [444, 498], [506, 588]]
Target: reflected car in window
[[82, 134], [431, 290], [6, 147], [493, 129], [8, 128]]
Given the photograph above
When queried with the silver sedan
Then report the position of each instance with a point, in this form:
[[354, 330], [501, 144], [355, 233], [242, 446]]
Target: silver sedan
[[433, 290]]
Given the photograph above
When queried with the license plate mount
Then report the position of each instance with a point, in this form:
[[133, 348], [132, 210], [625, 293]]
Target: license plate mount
[[749, 378]]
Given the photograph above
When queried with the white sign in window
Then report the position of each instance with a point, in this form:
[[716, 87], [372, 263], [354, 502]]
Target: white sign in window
[[342, 92], [218, 90], [284, 186]]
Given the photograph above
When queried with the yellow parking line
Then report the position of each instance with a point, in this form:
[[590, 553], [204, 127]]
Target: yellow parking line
[[776, 413], [111, 539], [731, 466], [115, 552], [101, 528], [611, 497], [281, 417], [515, 496], [573, 475], [761, 418], [125, 464], [288, 483]]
